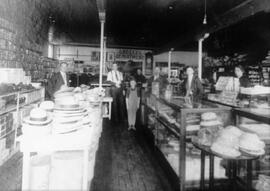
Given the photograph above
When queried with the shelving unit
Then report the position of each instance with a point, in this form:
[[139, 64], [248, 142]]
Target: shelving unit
[[14, 114]]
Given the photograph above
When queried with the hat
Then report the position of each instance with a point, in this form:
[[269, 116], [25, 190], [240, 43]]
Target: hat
[[62, 94], [67, 120], [232, 131], [250, 143], [224, 151], [67, 103], [47, 105], [79, 96], [38, 116], [209, 116]]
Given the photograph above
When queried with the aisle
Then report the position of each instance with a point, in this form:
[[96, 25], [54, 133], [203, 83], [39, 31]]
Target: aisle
[[11, 174], [122, 165]]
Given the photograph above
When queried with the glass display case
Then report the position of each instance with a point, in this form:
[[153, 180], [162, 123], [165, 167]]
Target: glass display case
[[170, 125], [256, 121]]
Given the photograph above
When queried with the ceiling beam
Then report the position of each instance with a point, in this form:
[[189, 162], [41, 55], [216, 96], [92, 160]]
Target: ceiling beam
[[233, 16]]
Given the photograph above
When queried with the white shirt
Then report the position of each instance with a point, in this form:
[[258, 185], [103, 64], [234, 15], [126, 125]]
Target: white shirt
[[115, 77], [64, 76]]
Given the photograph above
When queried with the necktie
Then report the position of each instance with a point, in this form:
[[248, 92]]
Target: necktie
[[116, 76]]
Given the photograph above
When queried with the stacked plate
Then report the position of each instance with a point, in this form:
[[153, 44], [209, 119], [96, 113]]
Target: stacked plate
[[69, 115]]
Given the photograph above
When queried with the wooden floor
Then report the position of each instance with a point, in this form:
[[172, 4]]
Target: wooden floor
[[11, 174], [123, 165]]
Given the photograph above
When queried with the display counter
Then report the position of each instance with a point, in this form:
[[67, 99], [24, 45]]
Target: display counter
[[61, 149], [59, 140], [256, 121], [171, 123]]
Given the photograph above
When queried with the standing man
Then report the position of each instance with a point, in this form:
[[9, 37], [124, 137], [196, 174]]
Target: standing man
[[140, 79], [193, 86], [157, 78], [58, 80], [116, 78]]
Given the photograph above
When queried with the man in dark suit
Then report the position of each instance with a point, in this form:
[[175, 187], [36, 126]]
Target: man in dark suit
[[193, 86], [58, 80]]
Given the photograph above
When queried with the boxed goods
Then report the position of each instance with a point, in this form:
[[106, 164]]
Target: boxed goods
[[2, 144]]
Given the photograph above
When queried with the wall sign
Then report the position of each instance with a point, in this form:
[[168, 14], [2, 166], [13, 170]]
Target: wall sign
[[110, 56], [129, 54]]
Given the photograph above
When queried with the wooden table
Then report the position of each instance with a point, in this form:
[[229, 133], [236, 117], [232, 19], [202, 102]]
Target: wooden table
[[232, 166]]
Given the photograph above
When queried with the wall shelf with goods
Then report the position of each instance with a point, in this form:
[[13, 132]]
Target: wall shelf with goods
[[256, 121], [14, 106], [171, 124], [18, 52], [258, 74]]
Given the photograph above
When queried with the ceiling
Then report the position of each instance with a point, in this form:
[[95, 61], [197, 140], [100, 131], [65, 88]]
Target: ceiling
[[143, 23]]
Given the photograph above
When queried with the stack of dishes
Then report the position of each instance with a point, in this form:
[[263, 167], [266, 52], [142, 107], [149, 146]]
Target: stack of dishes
[[210, 126], [226, 144], [250, 144], [69, 115], [37, 124]]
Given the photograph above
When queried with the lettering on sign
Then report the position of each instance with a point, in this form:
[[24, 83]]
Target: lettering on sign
[[129, 54]]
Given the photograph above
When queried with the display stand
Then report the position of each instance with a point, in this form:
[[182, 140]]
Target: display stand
[[232, 167], [85, 140]]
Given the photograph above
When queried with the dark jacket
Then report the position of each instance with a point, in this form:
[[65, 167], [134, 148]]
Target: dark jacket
[[244, 82], [196, 88], [163, 82], [54, 84], [140, 79]]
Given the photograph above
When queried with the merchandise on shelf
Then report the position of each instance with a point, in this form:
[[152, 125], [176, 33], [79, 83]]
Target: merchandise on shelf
[[266, 70], [231, 142], [209, 126], [6, 123], [256, 90], [261, 129], [227, 83], [14, 76], [254, 74], [263, 183]]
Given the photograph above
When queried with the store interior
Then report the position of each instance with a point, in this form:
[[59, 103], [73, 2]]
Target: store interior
[[202, 110]]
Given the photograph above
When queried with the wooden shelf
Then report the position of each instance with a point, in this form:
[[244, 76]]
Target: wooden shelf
[[7, 133], [12, 153], [174, 130]]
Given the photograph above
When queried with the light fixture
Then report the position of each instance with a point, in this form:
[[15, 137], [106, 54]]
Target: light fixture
[[205, 15]]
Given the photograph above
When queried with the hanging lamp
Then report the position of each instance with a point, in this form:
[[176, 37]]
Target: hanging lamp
[[205, 13]]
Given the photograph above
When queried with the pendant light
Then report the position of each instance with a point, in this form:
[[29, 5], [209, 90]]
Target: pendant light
[[205, 15]]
